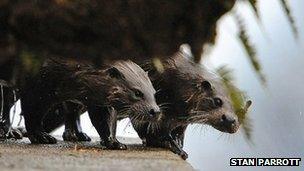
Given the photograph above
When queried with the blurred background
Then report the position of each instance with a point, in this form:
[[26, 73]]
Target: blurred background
[[277, 113]]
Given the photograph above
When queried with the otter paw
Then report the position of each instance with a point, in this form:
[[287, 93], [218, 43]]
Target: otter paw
[[183, 155], [3, 131], [42, 138], [179, 152], [115, 145], [83, 137], [14, 133], [6, 133], [69, 136], [23, 131], [72, 135]]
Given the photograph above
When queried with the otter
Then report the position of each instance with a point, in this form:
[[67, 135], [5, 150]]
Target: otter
[[8, 97], [122, 89], [188, 94]]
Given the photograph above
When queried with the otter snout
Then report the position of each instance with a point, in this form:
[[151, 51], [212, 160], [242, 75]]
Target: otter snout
[[155, 113], [228, 121], [228, 124]]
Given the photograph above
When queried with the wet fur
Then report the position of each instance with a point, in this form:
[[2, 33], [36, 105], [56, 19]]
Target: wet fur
[[136, 78], [103, 92], [185, 102]]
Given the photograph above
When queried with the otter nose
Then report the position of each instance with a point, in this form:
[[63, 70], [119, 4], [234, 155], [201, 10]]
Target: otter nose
[[228, 121], [154, 112]]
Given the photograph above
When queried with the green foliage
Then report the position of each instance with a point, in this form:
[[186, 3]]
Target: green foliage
[[245, 41], [158, 65], [249, 48], [31, 63], [238, 99], [253, 4], [290, 17]]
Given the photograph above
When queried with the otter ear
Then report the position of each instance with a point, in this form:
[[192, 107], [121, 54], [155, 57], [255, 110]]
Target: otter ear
[[114, 73]]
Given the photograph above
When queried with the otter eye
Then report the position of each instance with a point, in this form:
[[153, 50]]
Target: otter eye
[[138, 94], [218, 102], [206, 85]]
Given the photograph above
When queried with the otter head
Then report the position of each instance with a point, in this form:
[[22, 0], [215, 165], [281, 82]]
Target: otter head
[[133, 93], [213, 107], [196, 95]]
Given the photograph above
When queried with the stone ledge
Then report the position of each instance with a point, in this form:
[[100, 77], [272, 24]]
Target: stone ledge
[[20, 155]]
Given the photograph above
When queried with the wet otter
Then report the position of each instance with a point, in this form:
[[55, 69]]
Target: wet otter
[[122, 89], [8, 97], [190, 95]]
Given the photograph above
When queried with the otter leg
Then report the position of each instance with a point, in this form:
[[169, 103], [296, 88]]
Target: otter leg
[[73, 131], [10, 132], [164, 139], [34, 128], [175, 148], [104, 120], [34, 107], [5, 109], [178, 134], [150, 138], [7, 97], [53, 119], [141, 129]]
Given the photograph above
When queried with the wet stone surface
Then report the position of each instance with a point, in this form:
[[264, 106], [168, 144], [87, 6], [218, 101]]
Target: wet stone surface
[[21, 155]]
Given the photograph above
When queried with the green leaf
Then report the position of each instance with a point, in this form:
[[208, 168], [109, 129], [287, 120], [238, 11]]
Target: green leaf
[[249, 48], [158, 65], [253, 4], [290, 18]]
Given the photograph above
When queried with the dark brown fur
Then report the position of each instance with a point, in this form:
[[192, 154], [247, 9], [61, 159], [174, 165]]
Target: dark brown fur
[[105, 93], [190, 94], [187, 93]]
